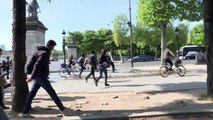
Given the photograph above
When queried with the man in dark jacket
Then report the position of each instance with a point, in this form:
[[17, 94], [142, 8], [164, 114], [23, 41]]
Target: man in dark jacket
[[103, 64], [92, 61], [39, 77]]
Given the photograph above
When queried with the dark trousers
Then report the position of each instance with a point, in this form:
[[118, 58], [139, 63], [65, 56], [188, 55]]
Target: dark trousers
[[167, 60], [3, 115], [44, 83], [82, 69], [92, 72], [103, 70], [2, 97], [8, 72], [113, 66]]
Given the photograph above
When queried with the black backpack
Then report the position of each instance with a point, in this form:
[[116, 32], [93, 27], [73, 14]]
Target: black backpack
[[92, 60], [30, 64]]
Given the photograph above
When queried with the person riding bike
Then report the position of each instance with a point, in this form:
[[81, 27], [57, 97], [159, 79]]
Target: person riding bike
[[166, 57]]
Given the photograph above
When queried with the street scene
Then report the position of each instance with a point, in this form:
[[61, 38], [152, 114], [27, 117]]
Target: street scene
[[106, 60], [143, 83]]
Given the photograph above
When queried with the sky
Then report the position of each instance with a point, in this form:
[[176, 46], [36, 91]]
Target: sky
[[68, 15]]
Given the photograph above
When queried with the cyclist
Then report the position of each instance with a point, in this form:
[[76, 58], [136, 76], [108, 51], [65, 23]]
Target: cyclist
[[166, 57], [71, 61]]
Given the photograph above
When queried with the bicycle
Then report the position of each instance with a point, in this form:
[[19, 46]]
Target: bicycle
[[179, 68], [66, 70]]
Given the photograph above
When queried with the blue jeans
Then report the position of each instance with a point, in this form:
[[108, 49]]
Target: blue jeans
[[44, 83], [102, 70]]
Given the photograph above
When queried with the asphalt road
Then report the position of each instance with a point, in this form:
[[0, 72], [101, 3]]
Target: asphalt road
[[121, 67]]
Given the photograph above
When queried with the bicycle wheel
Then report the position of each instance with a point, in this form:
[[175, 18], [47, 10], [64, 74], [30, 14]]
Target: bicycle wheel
[[181, 70], [64, 72], [164, 71], [75, 70]]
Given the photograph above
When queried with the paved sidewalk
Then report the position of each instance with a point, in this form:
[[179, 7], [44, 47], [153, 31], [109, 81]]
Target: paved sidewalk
[[138, 80]]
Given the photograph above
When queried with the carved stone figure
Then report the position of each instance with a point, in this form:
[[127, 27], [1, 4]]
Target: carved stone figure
[[33, 9]]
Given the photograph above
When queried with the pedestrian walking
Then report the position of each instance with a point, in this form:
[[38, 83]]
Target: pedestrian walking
[[39, 76], [111, 62], [92, 61], [103, 64], [81, 61], [2, 84], [8, 67]]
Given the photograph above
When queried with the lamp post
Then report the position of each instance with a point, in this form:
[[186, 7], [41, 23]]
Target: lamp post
[[63, 35], [130, 26], [177, 39]]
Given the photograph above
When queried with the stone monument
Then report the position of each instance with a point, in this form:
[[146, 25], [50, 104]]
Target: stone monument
[[35, 30], [72, 49]]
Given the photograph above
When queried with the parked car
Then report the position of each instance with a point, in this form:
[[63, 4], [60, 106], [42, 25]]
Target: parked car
[[142, 58], [190, 55]]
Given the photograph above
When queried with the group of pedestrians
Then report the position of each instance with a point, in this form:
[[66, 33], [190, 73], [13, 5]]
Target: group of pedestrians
[[101, 63]]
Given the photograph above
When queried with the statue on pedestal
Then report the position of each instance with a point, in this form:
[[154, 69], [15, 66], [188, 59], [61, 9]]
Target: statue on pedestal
[[33, 9]]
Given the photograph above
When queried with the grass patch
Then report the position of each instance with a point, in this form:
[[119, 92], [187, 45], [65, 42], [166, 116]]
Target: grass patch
[[204, 96]]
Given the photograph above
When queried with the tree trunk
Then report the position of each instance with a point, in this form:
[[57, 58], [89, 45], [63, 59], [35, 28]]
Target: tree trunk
[[20, 87], [163, 39], [156, 52], [208, 27]]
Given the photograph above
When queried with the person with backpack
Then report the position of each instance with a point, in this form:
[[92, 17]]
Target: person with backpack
[[92, 61], [103, 64], [2, 84], [81, 63], [39, 76]]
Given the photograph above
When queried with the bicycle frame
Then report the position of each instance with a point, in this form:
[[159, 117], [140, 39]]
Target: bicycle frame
[[66, 70], [165, 69]]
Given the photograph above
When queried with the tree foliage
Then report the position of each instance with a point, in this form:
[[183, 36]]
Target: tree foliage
[[120, 30], [161, 12], [92, 40], [197, 35]]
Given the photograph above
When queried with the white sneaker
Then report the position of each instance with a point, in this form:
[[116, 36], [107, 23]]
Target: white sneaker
[[27, 115]]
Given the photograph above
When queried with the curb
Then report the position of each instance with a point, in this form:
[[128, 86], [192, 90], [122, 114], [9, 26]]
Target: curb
[[127, 116]]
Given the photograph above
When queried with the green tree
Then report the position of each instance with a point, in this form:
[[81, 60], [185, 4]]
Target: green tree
[[172, 41], [161, 12], [120, 31], [78, 38], [197, 35], [105, 36], [90, 42]]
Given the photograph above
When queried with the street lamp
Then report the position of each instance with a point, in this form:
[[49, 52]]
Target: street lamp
[[64, 35], [130, 26], [177, 38]]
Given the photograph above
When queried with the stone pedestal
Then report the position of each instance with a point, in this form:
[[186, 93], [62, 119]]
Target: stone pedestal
[[72, 50], [35, 35]]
